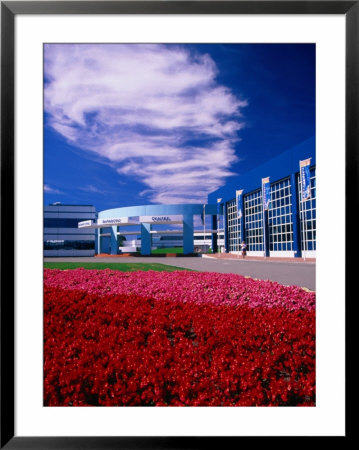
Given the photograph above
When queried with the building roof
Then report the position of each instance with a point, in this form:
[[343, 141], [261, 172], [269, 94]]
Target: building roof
[[283, 165]]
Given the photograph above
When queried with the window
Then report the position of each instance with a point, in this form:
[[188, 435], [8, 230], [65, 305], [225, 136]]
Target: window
[[280, 220], [57, 244], [62, 222], [234, 227], [253, 217]]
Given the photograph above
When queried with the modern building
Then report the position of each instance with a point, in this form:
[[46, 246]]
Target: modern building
[[284, 225], [148, 224], [62, 237], [287, 228]]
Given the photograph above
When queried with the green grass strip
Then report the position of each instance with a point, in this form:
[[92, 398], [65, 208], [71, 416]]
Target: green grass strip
[[123, 267], [161, 251]]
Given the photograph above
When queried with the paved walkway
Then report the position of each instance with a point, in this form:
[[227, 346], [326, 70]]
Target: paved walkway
[[292, 273], [259, 258]]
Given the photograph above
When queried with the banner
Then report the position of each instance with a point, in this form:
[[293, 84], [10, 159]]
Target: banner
[[265, 193], [239, 203], [203, 214], [305, 179], [218, 205]]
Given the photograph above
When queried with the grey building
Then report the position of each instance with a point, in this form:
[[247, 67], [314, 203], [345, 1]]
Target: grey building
[[62, 237]]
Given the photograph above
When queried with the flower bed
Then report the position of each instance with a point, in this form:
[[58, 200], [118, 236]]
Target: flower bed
[[195, 287], [116, 339]]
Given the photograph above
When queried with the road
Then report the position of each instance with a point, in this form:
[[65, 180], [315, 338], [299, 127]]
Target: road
[[287, 273]]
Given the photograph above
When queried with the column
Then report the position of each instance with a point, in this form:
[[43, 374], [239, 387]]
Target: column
[[101, 248], [266, 231], [97, 241], [188, 244], [242, 237], [225, 228], [145, 238], [114, 244], [297, 248], [214, 235]]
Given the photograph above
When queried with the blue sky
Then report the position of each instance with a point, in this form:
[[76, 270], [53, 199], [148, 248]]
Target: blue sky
[[145, 124]]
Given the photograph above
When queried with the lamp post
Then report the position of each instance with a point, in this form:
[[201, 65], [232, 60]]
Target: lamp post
[[218, 206], [204, 227], [218, 246]]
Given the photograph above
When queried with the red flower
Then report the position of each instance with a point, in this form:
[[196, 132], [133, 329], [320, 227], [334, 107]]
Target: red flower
[[105, 347]]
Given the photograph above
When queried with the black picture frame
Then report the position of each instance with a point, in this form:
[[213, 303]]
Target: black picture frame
[[9, 9]]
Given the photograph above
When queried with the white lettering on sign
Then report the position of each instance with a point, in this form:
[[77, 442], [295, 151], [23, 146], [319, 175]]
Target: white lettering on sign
[[118, 220], [111, 221], [85, 223], [162, 219]]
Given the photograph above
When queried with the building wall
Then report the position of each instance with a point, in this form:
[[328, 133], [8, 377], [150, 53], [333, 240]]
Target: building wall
[[62, 237], [288, 227]]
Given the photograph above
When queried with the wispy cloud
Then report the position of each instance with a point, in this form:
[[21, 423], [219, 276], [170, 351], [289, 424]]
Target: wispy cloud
[[155, 112], [50, 190], [93, 189]]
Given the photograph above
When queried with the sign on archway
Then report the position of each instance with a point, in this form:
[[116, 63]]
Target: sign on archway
[[162, 220]]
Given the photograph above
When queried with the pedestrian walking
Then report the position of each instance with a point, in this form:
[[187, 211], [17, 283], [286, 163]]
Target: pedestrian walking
[[244, 249]]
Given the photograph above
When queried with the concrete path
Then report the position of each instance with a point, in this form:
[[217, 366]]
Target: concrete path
[[288, 273]]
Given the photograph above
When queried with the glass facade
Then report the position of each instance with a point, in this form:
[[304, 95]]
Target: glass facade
[[280, 219], [253, 221], [62, 237], [233, 227], [286, 211], [60, 244], [60, 222]]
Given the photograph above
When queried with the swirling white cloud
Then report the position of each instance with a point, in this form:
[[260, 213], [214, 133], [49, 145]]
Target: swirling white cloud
[[155, 112]]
